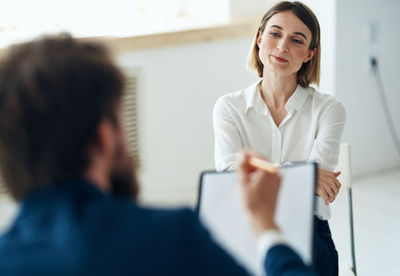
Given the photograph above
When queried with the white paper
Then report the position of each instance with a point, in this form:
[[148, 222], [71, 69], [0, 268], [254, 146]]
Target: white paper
[[221, 211]]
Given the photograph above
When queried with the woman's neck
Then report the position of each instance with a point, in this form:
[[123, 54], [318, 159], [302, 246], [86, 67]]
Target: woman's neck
[[276, 90]]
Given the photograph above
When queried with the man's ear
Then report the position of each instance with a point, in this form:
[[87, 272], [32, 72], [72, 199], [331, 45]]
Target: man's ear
[[105, 141], [310, 55], [101, 154]]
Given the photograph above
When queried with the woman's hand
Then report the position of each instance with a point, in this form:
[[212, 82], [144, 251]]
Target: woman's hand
[[328, 186]]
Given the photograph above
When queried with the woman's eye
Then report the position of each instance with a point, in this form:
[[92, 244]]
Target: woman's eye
[[298, 41], [274, 34]]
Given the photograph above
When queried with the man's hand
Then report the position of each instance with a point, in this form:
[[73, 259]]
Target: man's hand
[[259, 192], [328, 186]]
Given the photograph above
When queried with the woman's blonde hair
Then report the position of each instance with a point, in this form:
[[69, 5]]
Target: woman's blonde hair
[[309, 71]]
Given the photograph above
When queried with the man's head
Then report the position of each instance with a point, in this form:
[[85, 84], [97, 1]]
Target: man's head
[[55, 93]]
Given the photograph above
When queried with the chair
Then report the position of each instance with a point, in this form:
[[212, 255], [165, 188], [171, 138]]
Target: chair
[[344, 165]]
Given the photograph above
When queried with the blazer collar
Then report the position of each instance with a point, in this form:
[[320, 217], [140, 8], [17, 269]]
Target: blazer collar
[[42, 198]]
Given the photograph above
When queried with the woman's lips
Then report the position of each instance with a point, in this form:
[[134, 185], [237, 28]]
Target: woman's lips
[[279, 59]]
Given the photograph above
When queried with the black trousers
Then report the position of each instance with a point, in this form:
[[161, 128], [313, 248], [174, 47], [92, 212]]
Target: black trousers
[[325, 254]]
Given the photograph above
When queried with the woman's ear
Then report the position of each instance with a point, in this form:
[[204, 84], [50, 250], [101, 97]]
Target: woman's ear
[[310, 55], [259, 38]]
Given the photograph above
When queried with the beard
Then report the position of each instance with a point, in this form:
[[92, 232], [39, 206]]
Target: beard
[[122, 177]]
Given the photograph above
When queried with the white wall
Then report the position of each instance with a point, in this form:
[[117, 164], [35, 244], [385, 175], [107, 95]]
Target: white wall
[[325, 11], [372, 148], [249, 9], [178, 88]]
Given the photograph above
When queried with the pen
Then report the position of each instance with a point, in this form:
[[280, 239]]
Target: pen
[[262, 164]]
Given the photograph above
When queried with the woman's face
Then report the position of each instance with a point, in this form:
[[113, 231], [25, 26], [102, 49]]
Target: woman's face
[[284, 44]]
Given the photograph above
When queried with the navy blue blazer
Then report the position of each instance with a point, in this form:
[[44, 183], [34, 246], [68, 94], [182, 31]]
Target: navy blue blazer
[[73, 228]]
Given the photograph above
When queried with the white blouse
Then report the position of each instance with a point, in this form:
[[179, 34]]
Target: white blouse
[[311, 130]]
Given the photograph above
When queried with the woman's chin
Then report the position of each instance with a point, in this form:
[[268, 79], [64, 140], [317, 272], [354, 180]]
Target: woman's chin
[[279, 70]]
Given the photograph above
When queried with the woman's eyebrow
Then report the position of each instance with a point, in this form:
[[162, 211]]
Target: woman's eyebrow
[[301, 34], [297, 33], [276, 26]]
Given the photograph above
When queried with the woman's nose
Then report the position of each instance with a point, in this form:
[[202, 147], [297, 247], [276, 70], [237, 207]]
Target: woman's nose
[[283, 45]]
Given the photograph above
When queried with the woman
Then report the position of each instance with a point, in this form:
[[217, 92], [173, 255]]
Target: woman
[[282, 117]]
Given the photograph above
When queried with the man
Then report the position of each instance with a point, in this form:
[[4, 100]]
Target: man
[[63, 156]]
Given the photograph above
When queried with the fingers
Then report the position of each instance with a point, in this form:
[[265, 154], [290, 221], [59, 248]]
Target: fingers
[[329, 177], [330, 193], [328, 185], [337, 185], [259, 190], [326, 193], [250, 174], [250, 161], [244, 168], [321, 192], [334, 186]]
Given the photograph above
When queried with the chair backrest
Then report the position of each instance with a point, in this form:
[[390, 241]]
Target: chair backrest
[[344, 165]]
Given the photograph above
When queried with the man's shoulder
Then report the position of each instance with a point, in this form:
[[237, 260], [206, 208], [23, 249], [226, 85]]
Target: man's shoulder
[[163, 219], [124, 230], [115, 217], [163, 215]]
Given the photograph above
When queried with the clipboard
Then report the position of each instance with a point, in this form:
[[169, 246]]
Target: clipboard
[[219, 208]]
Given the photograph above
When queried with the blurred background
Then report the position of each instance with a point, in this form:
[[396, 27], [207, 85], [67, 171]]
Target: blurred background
[[179, 56]]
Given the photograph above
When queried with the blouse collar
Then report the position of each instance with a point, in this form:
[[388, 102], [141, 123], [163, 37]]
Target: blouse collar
[[253, 99]]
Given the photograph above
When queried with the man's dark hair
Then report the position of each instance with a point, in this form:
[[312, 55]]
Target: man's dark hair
[[53, 93]]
